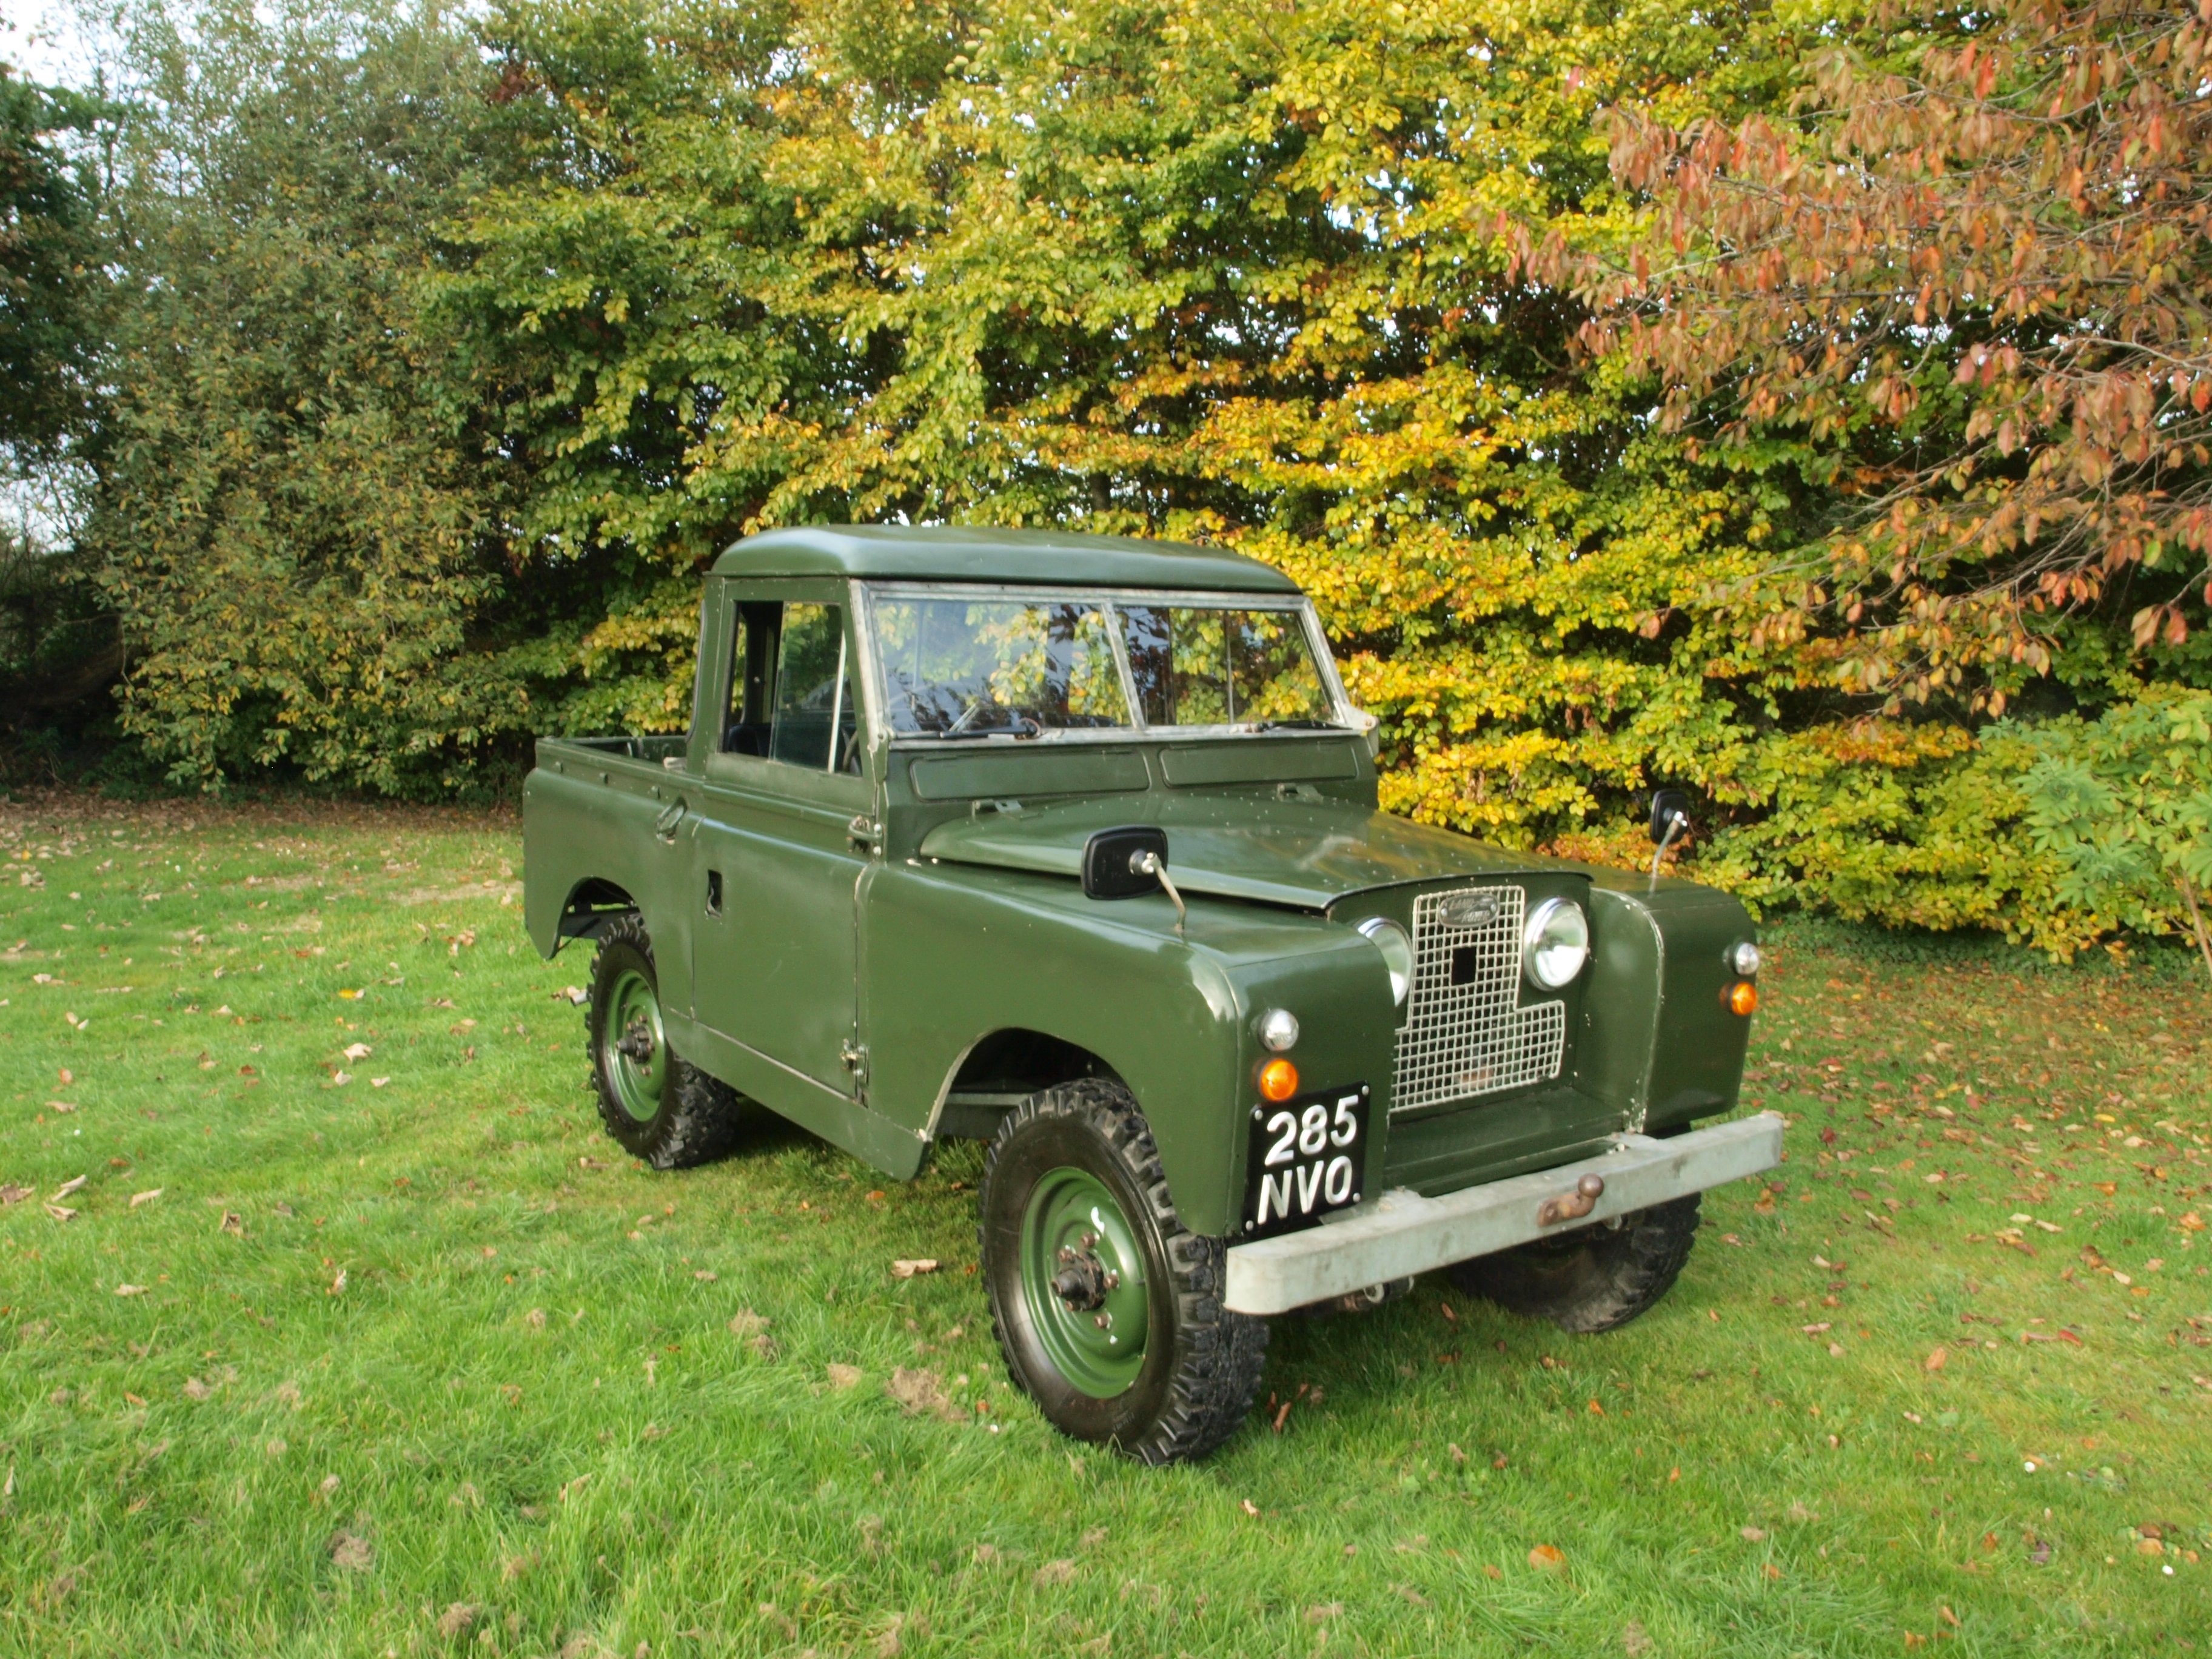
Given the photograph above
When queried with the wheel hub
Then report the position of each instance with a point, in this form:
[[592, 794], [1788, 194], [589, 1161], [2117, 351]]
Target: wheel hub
[[1083, 1282], [633, 1059]]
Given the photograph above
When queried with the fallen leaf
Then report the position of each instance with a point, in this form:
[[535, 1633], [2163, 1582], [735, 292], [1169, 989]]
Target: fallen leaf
[[919, 1391], [456, 1619], [337, 1285], [231, 1223], [1936, 1361], [148, 1197], [1754, 1534], [378, 1082], [358, 1051], [196, 1390], [13, 1194], [66, 1188], [351, 1552], [1054, 1572], [61, 1212], [61, 1106], [841, 1376], [705, 1275], [1249, 1507], [575, 994], [1547, 1558], [908, 1269], [130, 1289], [341, 1078]]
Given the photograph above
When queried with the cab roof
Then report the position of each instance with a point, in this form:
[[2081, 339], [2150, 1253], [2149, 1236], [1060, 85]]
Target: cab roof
[[963, 553]]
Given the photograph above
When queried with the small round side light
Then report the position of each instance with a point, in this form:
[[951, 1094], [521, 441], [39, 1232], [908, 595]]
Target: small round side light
[[1278, 1080], [1742, 997], [1744, 957], [1278, 1030]]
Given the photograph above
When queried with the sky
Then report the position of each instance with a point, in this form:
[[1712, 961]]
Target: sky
[[42, 40]]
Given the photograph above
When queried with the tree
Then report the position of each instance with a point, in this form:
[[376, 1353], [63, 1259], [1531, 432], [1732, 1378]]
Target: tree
[[50, 274], [293, 518], [1972, 276]]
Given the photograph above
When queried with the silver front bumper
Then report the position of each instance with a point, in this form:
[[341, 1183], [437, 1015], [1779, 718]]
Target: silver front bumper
[[1402, 1233]]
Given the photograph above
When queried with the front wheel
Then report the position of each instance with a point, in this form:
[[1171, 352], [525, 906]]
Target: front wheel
[[659, 1106], [1107, 1307], [1593, 1278]]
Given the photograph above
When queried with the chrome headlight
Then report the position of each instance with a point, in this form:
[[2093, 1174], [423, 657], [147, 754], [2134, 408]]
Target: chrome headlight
[[1397, 951], [1744, 959], [1555, 943]]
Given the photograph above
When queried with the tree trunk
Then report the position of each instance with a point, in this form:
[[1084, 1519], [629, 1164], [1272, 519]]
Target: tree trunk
[[2196, 919]]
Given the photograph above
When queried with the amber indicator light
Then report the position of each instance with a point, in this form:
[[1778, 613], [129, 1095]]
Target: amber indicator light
[[1278, 1080], [1742, 997]]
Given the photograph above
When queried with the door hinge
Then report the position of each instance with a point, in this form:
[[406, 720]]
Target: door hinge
[[855, 1058]]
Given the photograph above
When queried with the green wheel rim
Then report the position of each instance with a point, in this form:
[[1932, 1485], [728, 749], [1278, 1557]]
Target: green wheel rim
[[1098, 1347], [637, 1071]]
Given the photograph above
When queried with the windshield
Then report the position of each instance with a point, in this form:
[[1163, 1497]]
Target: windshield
[[1017, 666]]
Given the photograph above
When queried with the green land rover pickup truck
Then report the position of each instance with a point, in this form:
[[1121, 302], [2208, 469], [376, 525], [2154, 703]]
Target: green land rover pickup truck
[[1070, 844]]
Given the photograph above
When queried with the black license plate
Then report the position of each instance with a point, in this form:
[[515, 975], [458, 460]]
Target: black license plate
[[1306, 1159]]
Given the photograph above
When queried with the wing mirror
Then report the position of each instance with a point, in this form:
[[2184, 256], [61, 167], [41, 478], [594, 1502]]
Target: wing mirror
[[1670, 816], [1128, 863]]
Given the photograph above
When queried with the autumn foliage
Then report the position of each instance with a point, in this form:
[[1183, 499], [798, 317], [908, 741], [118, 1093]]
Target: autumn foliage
[[1980, 287], [1757, 402]]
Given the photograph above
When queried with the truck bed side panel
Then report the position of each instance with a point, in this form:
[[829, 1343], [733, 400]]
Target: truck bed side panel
[[589, 816]]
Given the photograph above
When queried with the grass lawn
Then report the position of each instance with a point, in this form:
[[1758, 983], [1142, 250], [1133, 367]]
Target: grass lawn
[[345, 1330]]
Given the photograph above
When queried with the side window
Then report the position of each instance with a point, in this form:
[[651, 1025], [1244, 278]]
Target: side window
[[813, 723], [752, 673]]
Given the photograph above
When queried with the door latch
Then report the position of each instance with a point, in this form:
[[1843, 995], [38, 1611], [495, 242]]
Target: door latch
[[855, 1058], [864, 831], [665, 825]]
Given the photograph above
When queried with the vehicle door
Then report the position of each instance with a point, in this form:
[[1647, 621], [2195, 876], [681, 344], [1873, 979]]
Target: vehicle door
[[777, 871]]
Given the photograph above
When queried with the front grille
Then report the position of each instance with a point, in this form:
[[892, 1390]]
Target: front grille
[[1463, 1036]]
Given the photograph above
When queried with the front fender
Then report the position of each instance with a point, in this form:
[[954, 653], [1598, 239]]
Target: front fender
[[952, 953]]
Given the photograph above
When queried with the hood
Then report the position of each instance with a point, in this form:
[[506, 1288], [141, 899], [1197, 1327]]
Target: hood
[[1297, 852]]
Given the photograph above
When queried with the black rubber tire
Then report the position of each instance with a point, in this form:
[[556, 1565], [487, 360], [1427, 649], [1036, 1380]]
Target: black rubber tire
[[700, 1117], [1595, 1279], [1202, 1362]]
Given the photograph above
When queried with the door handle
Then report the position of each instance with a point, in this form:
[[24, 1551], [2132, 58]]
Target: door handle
[[665, 825]]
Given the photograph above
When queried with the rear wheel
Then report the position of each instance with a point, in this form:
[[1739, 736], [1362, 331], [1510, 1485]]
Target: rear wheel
[[1593, 1278], [1107, 1307], [660, 1107]]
